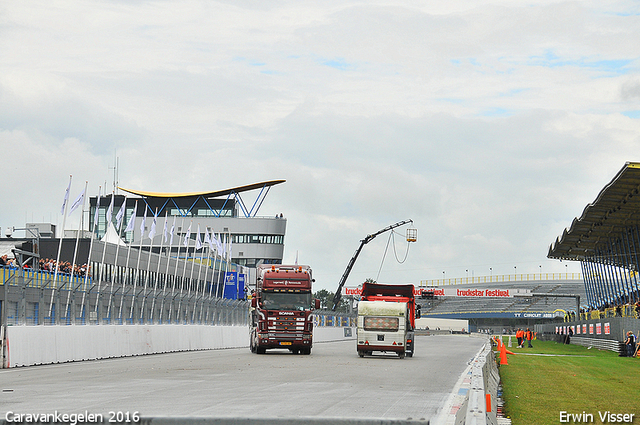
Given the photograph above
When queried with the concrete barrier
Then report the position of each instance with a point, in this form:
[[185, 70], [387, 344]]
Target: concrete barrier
[[474, 399], [34, 345]]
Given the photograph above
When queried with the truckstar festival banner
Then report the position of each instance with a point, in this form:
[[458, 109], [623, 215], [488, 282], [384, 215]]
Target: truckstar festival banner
[[457, 292]]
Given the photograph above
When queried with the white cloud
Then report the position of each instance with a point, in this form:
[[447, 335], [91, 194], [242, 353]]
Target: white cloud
[[490, 125]]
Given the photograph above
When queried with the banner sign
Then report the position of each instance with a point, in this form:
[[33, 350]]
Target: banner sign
[[452, 291], [230, 285]]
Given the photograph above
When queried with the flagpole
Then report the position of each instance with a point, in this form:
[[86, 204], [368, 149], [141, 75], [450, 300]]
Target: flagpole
[[64, 220], [146, 280], [75, 252], [104, 252], [184, 269], [155, 283], [206, 271], [219, 252], [166, 272], [135, 281], [195, 303], [129, 228], [115, 262], [175, 275], [86, 274], [213, 271]]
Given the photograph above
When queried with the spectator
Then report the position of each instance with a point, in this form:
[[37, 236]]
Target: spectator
[[630, 342], [520, 337], [3, 260]]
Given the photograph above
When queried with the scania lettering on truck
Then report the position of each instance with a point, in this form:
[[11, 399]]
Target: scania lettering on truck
[[281, 309], [386, 319]]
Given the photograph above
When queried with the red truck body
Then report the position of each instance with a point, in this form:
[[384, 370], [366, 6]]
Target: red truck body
[[282, 314]]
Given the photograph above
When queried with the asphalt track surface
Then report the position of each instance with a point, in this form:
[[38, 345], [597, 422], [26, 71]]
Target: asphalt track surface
[[332, 382]]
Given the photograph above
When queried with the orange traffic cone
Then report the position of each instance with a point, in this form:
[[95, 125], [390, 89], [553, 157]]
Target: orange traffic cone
[[503, 357]]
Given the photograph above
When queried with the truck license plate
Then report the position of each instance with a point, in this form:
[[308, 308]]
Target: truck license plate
[[285, 343]]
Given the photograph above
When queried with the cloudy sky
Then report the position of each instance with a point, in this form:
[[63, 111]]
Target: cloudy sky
[[490, 124]]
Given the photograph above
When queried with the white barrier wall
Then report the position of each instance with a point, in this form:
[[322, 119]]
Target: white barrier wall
[[33, 345]]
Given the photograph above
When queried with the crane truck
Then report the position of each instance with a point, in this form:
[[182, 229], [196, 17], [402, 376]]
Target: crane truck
[[281, 309], [386, 319]]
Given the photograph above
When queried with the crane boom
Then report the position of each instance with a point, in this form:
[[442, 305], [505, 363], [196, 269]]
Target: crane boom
[[363, 242]]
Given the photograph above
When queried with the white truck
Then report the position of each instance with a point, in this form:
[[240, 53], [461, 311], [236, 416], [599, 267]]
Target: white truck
[[386, 319]]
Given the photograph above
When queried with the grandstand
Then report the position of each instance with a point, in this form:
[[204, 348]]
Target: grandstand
[[507, 312]]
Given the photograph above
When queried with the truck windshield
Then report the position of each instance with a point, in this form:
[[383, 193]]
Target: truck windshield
[[286, 301]]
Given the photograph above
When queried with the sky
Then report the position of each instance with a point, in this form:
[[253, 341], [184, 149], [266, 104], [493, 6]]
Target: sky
[[490, 124]]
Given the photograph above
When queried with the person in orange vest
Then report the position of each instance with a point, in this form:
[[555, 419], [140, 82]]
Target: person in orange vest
[[520, 337], [529, 335]]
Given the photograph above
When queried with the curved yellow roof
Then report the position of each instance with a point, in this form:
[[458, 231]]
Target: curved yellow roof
[[213, 194]]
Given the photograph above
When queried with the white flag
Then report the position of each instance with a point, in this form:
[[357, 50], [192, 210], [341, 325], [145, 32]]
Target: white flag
[[198, 242], [152, 231], [109, 214], [77, 202], [120, 214], [207, 239], [218, 245], [164, 230], [173, 226], [132, 220], [224, 249], [66, 198], [229, 246], [95, 217], [187, 236], [143, 222]]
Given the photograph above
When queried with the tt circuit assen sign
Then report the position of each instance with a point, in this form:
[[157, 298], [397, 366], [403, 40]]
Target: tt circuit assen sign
[[458, 292]]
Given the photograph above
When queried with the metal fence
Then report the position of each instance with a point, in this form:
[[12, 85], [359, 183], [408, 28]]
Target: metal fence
[[41, 298]]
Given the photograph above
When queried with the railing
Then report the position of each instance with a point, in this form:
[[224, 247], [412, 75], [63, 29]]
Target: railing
[[28, 297], [525, 277], [628, 311]]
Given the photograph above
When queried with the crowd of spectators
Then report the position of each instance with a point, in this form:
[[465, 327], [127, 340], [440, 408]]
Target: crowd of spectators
[[48, 265], [628, 309]]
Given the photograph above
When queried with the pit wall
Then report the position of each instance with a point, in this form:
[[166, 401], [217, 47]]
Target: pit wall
[[34, 345]]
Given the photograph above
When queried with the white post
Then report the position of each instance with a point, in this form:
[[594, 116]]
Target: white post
[[65, 203]]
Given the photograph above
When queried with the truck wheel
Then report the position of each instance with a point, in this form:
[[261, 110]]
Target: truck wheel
[[409, 354], [261, 350], [401, 355], [361, 353], [306, 351]]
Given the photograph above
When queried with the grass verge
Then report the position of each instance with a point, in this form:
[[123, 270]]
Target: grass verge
[[536, 388]]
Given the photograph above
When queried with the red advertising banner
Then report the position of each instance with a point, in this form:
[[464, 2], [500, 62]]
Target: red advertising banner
[[598, 328], [607, 328], [578, 330], [590, 328], [584, 329], [452, 291]]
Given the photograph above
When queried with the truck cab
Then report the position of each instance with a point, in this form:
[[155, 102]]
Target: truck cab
[[282, 309]]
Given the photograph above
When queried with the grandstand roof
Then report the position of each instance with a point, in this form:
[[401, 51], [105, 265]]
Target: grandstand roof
[[615, 209], [212, 194]]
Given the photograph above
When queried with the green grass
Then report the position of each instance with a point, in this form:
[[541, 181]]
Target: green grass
[[537, 388]]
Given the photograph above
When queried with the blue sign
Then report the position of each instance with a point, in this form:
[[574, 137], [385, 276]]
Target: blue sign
[[242, 289], [231, 286]]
